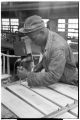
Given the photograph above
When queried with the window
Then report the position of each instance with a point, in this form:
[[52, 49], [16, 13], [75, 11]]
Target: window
[[14, 22], [45, 21], [5, 21], [72, 28], [5, 24], [61, 25], [14, 25], [10, 24], [69, 26]]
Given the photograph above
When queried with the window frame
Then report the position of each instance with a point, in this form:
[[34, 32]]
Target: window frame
[[67, 28], [10, 25], [61, 22]]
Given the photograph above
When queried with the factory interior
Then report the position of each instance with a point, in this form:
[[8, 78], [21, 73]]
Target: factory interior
[[18, 101]]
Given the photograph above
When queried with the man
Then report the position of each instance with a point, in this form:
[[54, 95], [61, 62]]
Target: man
[[58, 60], [22, 48]]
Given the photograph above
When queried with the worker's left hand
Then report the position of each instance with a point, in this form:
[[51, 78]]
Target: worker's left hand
[[22, 72]]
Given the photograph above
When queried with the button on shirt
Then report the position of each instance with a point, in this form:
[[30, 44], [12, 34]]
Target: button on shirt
[[58, 62]]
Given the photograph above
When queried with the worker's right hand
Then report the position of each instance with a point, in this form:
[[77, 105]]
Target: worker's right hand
[[22, 72], [38, 68], [35, 69]]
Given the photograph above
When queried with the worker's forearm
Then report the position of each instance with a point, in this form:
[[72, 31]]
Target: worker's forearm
[[53, 74], [41, 79]]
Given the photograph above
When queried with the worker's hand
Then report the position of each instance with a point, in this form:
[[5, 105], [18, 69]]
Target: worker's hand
[[34, 69], [22, 72], [37, 68]]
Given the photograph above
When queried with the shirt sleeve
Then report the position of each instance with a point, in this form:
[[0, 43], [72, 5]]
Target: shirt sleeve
[[54, 73]]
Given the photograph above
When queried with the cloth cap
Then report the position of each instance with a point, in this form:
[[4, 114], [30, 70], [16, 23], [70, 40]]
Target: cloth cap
[[32, 23]]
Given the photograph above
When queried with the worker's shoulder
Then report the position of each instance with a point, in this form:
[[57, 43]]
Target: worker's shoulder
[[57, 40], [56, 35]]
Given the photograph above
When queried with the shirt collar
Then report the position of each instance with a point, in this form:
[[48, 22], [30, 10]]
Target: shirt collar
[[48, 41]]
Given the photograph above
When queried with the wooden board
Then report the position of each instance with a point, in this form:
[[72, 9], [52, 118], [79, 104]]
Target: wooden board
[[75, 111], [5, 113], [66, 115], [55, 97], [34, 99], [69, 90], [5, 76], [37, 102], [19, 107]]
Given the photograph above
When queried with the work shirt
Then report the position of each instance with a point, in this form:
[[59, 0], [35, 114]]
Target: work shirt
[[58, 62]]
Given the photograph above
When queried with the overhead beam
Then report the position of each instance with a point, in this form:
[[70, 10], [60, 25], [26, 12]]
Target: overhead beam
[[37, 5]]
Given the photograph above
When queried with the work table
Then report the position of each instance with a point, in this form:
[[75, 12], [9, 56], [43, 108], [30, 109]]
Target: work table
[[56, 101]]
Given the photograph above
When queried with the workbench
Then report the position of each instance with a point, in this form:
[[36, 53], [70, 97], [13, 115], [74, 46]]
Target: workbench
[[56, 101]]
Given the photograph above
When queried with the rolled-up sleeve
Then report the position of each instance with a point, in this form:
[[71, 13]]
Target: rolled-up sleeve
[[54, 73]]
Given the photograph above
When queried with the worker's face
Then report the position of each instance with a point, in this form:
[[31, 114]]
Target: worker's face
[[37, 37]]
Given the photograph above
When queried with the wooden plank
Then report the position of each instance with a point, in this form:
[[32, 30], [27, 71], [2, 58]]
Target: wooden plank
[[74, 111], [34, 99], [62, 110], [69, 90], [6, 113], [66, 115], [5, 76], [53, 96], [17, 106]]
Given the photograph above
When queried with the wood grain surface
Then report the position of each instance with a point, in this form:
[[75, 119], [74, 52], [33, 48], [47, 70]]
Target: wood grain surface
[[34, 99], [69, 90], [22, 109]]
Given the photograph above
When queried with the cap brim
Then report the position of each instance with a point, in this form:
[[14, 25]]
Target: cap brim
[[22, 30]]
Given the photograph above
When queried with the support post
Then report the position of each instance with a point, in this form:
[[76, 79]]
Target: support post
[[3, 64], [8, 64]]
